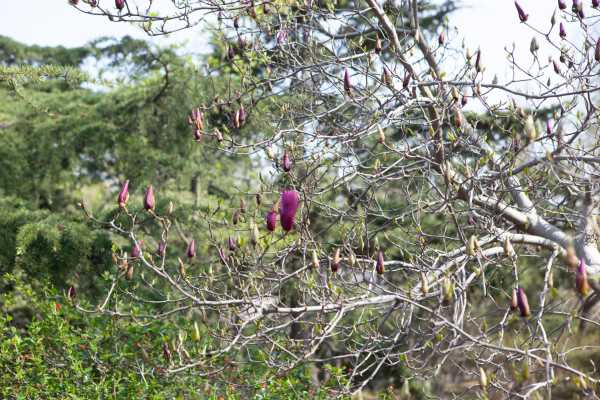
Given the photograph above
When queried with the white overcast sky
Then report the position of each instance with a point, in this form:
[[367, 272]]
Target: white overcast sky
[[489, 24]]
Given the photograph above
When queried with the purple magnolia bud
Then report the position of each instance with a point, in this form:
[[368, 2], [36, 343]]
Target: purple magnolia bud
[[581, 281], [222, 256], [93, 3], [71, 293], [290, 200], [272, 220], [124, 193], [166, 352], [597, 52], [74, 2], [347, 83], [522, 303], [120, 4], [522, 16], [231, 244], [149, 199], [595, 3], [286, 163], [191, 250], [575, 6], [561, 4], [136, 250], [561, 31], [406, 80], [281, 37], [242, 115], [162, 247], [556, 67], [549, 127], [380, 267]]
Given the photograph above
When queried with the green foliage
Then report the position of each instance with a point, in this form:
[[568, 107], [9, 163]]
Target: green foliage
[[52, 352]]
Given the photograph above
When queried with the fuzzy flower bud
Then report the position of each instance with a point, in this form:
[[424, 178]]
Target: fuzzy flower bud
[[222, 256], [290, 201], [272, 220], [380, 266], [378, 46], [597, 51], [335, 261], [286, 162], [123, 195], [514, 303], [562, 5], [149, 202], [191, 249], [136, 250], [561, 31], [315, 260], [347, 83], [522, 303], [581, 281], [162, 247], [522, 16], [231, 244]]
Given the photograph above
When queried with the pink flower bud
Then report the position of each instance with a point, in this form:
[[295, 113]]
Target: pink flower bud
[[347, 83], [166, 352], [281, 37], [561, 31], [380, 267], [522, 303], [290, 201], [522, 16], [597, 52], [272, 220], [231, 244], [222, 256], [149, 199], [136, 250], [191, 250], [581, 281], [123, 195], [549, 127], [120, 4], [595, 3], [241, 116], [556, 67], [162, 246], [561, 4], [286, 163]]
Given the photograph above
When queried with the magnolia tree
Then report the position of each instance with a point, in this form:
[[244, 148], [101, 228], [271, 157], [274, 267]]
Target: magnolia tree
[[412, 212]]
